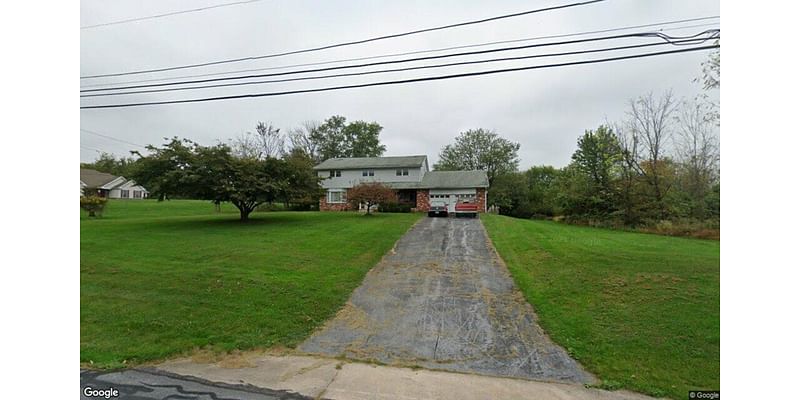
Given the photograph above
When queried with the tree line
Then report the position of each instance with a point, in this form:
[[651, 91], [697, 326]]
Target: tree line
[[263, 166], [660, 163]]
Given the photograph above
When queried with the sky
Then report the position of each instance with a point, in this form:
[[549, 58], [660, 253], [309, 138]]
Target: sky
[[544, 110]]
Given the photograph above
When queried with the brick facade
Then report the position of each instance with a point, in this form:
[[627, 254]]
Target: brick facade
[[324, 206], [423, 200], [480, 198], [423, 203]]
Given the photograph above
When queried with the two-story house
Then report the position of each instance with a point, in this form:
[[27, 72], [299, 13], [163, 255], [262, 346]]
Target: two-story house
[[408, 175]]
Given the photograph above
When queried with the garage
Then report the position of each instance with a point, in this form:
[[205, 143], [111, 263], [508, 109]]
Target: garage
[[452, 196]]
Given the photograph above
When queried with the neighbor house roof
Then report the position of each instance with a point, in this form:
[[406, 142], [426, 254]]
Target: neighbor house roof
[[454, 179], [96, 179], [373, 162]]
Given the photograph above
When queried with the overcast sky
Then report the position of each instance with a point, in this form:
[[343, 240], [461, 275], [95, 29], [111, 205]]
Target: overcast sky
[[544, 110]]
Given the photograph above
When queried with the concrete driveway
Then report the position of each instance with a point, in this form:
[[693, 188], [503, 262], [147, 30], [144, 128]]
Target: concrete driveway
[[442, 299]]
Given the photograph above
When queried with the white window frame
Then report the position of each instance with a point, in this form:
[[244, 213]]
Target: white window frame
[[342, 196], [368, 172], [137, 194], [335, 173], [124, 193]]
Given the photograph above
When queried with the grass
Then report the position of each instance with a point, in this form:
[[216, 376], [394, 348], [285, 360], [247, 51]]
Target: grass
[[640, 311], [161, 279]]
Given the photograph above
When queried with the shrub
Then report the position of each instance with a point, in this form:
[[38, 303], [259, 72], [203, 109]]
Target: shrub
[[94, 205], [395, 208]]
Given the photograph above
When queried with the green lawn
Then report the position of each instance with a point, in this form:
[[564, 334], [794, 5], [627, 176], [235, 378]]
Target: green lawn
[[640, 311], [159, 279]]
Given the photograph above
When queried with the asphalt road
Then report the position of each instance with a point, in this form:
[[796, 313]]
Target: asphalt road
[[443, 300], [146, 384]]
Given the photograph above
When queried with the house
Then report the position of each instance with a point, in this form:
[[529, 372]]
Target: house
[[111, 186], [410, 176]]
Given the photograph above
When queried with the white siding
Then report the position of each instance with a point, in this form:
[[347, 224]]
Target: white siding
[[352, 177]]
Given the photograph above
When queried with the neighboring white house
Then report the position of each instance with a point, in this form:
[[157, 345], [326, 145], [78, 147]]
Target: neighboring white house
[[111, 186], [409, 176]]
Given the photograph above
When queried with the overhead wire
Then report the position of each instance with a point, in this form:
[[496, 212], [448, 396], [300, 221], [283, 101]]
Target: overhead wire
[[403, 81], [125, 21], [111, 138], [678, 42], [631, 35], [427, 51], [350, 43]]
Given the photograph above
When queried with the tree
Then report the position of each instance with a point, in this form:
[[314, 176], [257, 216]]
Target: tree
[[92, 203], [305, 189], [597, 156], [370, 194], [301, 140], [650, 129], [108, 163], [267, 141], [697, 149], [184, 168], [480, 149], [335, 138]]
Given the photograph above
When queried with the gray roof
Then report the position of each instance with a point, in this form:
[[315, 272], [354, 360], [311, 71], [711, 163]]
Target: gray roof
[[372, 162], [454, 179], [94, 178]]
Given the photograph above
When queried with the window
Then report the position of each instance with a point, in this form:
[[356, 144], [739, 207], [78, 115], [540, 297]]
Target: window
[[336, 196], [137, 194], [368, 172], [402, 172], [336, 173], [124, 193]]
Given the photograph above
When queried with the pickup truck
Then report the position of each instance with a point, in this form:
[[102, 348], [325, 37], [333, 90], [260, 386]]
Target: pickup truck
[[466, 209], [437, 208]]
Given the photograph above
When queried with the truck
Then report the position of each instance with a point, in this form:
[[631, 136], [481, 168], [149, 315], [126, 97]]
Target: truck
[[437, 208], [466, 209]]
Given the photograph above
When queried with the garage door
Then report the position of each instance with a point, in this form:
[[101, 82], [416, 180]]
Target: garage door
[[452, 196]]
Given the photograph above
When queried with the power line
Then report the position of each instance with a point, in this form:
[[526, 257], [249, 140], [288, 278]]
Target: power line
[[92, 149], [111, 138], [430, 50], [124, 21], [308, 50], [682, 42], [407, 60], [404, 81]]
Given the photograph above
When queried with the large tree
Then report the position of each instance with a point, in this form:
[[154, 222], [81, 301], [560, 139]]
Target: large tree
[[184, 168], [267, 141], [597, 156], [480, 149], [697, 148], [649, 129], [335, 138]]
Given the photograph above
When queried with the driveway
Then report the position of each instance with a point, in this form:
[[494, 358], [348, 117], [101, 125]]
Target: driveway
[[442, 299]]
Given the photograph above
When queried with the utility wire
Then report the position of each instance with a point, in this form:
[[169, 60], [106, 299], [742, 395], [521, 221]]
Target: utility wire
[[428, 51], [681, 42], [308, 50], [91, 148], [125, 21], [372, 64], [111, 138], [404, 81]]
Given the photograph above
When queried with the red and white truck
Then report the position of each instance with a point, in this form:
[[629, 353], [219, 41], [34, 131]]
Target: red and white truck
[[466, 209]]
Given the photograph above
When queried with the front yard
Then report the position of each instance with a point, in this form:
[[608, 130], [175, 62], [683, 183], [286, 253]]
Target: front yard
[[160, 279], [640, 311]]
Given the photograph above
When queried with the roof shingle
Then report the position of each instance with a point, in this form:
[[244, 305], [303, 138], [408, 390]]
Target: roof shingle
[[372, 162]]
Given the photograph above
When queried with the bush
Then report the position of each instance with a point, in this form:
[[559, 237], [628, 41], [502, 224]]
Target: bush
[[395, 208], [94, 205]]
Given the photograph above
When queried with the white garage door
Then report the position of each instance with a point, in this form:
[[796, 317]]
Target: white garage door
[[452, 196]]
